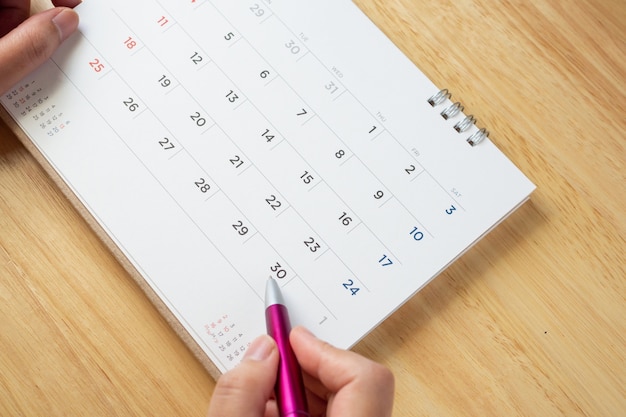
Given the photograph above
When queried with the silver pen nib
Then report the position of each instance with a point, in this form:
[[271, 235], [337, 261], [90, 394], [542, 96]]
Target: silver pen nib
[[273, 295]]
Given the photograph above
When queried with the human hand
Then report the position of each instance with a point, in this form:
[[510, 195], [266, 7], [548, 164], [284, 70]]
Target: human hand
[[26, 42], [339, 383]]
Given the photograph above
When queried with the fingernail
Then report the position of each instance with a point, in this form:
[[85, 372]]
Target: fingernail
[[66, 23], [260, 349]]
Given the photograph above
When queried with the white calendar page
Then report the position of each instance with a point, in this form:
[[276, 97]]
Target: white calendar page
[[221, 142]]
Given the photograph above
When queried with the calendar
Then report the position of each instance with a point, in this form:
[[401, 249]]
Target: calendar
[[216, 143]]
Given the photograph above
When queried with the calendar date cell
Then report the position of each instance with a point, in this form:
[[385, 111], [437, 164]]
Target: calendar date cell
[[349, 119], [185, 120], [77, 55], [319, 145], [154, 82], [186, 181], [218, 34]]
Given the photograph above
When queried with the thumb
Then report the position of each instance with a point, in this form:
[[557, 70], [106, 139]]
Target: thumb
[[246, 389], [31, 43]]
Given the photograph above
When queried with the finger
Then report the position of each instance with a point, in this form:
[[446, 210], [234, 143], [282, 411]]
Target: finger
[[31, 43], [14, 12], [357, 385], [66, 3], [247, 389], [316, 395]]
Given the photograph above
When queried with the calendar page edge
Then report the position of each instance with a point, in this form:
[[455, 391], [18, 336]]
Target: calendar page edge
[[152, 296]]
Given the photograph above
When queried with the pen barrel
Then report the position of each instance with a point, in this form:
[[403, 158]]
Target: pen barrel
[[290, 393]]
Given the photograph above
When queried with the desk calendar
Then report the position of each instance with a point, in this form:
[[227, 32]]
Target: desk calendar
[[214, 143]]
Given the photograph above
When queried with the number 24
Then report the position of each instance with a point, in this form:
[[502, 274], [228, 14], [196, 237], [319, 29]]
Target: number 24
[[349, 285]]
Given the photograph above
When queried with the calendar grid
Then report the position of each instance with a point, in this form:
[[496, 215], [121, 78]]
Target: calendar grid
[[290, 205], [344, 90]]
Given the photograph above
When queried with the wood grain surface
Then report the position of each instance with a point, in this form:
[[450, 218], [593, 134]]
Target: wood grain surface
[[529, 322]]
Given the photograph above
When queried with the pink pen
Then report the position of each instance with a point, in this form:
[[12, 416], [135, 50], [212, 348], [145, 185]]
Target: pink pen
[[290, 395]]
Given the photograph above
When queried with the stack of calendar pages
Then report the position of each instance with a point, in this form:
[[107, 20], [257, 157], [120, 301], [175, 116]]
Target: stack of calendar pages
[[215, 143]]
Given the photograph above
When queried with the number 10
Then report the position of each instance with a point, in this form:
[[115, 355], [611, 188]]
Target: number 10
[[417, 235]]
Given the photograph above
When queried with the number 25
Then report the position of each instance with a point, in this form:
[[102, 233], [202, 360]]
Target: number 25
[[96, 65]]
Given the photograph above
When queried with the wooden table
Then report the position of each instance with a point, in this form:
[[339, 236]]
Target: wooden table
[[530, 322]]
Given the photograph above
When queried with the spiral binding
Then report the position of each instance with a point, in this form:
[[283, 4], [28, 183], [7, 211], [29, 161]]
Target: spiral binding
[[454, 109]]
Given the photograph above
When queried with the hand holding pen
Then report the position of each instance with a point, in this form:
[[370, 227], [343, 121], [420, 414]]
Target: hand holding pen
[[26, 42], [338, 383]]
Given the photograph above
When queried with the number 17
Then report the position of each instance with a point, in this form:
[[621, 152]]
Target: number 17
[[385, 261]]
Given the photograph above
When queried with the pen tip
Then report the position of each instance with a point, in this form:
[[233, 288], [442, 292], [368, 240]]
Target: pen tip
[[273, 294]]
